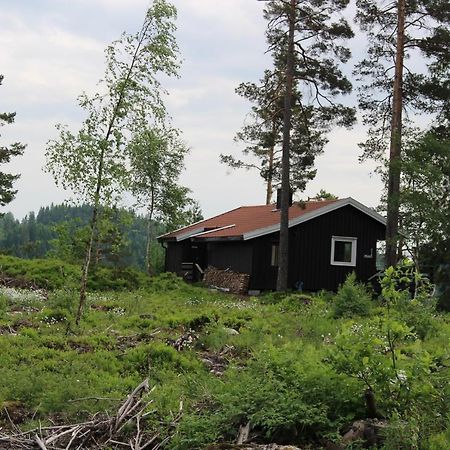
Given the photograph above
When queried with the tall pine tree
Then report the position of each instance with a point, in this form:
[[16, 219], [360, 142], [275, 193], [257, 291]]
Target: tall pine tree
[[398, 32], [305, 39], [263, 136]]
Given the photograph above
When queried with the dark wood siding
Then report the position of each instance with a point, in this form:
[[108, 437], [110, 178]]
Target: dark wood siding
[[264, 276], [236, 256], [176, 253], [310, 251]]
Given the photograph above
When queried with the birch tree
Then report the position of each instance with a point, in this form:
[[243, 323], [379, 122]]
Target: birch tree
[[156, 161], [92, 162]]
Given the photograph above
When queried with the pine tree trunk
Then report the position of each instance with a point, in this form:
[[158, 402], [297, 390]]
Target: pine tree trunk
[[283, 262], [393, 195], [269, 190]]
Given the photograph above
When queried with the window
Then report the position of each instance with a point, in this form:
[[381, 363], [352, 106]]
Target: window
[[343, 251], [274, 257]]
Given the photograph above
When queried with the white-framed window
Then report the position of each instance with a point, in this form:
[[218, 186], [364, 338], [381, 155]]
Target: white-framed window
[[343, 251], [274, 256]]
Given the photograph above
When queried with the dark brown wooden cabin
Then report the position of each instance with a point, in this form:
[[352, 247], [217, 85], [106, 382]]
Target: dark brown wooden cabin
[[327, 241]]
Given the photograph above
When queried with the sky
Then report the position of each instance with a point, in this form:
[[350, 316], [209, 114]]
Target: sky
[[53, 50]]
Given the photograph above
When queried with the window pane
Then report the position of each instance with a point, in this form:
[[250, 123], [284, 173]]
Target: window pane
[[342, 251]]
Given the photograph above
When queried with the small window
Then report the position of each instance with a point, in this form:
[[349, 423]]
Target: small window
[[343, 251], [274, 257]]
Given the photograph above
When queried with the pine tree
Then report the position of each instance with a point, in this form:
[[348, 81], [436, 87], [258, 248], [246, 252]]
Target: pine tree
[[399, 32], [305, 40], [263, 135], [7, 191]]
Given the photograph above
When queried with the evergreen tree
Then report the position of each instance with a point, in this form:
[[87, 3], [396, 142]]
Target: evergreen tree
[[263, 135], [7, 191], [400, 32], [425, 196], [305, 40]]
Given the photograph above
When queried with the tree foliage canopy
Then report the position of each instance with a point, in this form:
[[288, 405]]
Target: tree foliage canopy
[[130, 95], [318, 81], [425, 88], [7, 191]]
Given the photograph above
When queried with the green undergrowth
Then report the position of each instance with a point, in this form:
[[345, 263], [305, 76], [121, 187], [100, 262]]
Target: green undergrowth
[[295, 366], [55, 274]]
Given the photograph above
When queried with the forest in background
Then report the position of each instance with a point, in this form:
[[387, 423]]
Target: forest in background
[[61, 231]]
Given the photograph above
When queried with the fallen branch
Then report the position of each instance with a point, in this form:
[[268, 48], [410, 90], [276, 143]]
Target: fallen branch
[[102, 431]]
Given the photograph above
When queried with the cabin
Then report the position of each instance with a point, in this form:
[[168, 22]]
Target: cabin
[[327, 240]]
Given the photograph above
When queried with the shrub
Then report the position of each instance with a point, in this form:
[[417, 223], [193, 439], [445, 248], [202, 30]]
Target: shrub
[[55, 274], [419, 314], [116, 279], [3, 305], [352, 299], [295, 302]]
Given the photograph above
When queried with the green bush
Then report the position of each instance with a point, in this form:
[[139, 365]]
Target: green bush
[[419, 313], [440, 441], [3, 305], [352, 299], [295, 302], [44, 273], [55, 274], [116, 279], [287, 394]]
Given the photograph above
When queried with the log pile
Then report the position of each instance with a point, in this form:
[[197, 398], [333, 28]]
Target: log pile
[[227, 280], [101, 432]]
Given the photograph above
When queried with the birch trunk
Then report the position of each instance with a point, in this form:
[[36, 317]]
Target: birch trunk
[[103, 148]]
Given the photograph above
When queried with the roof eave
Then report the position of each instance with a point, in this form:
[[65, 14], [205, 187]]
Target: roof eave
[[317, 213], [217, 239]]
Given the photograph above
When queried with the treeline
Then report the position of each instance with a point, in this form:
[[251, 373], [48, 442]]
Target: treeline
[[61, 231]]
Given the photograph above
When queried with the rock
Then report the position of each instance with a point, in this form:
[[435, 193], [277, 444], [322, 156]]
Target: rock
[[231, 331], [368, 430]]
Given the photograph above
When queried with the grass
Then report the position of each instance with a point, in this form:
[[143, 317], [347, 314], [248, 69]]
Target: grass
[[280, 363]]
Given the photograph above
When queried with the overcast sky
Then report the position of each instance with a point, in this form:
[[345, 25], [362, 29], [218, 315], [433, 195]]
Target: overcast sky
[[52, 50]]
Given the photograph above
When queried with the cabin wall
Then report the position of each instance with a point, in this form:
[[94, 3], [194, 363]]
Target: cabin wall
[[236, 256], [177, 253], [310, 248], [264, 276], [310, 251]]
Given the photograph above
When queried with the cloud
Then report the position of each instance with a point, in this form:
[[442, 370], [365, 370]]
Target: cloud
[[45, 62], [52, 50]]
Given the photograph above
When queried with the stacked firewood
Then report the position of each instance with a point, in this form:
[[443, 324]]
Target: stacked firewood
[[227, 280]]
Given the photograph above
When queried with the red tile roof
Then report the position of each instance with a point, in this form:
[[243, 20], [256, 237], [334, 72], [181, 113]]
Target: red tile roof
[[237, 222]]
